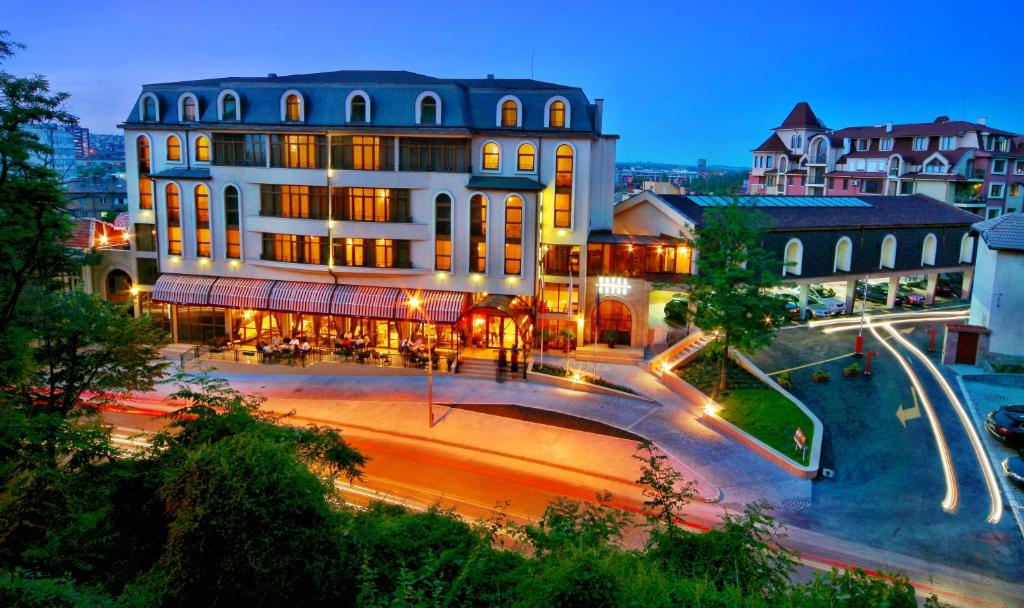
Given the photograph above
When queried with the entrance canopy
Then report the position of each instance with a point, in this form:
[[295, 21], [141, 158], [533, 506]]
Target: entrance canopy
[[372, 302], [501, 305]]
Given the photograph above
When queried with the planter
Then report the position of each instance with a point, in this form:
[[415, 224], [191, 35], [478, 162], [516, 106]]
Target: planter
[[822, 379], [850, 373]]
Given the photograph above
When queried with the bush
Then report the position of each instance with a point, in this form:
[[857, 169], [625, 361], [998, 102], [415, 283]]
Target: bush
[[677, 311], [785, 380], [820, 375]]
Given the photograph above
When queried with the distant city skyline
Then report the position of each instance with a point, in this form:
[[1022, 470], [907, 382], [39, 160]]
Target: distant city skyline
[[680, 83]]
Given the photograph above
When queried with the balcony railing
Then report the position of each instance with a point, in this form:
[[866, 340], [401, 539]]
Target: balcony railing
[[816, 180]]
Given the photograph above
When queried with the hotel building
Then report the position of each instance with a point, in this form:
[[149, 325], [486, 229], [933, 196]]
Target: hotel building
[[967, 164], [370, 202]]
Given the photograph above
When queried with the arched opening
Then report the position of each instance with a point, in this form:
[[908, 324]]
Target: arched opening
[[888, 255], [173, 148], [188, 109], [556, 114], [563, 186], [526, 158], [149, 108], [229, 107], [202, 149], [844, 254], [613, 323], [820, 151], [931, 244], [357, 111], [509, 113], [428, 110], [793, 258], [293, 108], [232, 227], [201, 195], [967, 249], [492, 157], [142, 151], [119, 287]]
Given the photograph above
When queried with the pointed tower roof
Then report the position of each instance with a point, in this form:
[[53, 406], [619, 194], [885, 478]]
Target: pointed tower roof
[[801, 117]]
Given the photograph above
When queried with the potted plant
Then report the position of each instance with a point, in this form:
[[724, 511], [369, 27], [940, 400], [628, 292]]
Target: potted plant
[[785, 380], [611, 337], [820, 375], [851, 371], [569, 336]]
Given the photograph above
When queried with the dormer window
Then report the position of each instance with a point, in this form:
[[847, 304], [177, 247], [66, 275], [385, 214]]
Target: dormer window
[[229, 106], [428, 109], [885, 144], [920, 143], [509, 113], [556, 115], [863, 144], [935, 166], [358, 107], [150, 110], [188, 109], [292, 108], [948, 142]]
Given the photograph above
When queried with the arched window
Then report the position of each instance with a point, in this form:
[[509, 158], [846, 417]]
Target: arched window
[[358, 107], [894, 166], [509, 113], [443, 232], [888, 256], [556, 114], [783, 164], [513, 235], [793, 258], [188, 108], [142, 152], [563, 186], [844, 255], [229, 107], [173, 148], [491, 157], [478, 233], [201, 194], [428, 112], [145, 193], [119, 287], [292, 108], [526, 158], [232, 228], [820, 151], [172, 201], [203, 149], [931, 245], [796, 142], [967, 249], [149, 108]]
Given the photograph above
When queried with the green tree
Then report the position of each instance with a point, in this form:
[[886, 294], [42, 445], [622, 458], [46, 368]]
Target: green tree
[[733, 282], [665, 492]]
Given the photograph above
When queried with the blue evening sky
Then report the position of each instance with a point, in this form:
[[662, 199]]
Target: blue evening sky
[[681, 80]]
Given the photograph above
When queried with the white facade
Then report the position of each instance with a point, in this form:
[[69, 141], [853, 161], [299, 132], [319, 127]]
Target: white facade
[[998, 297]]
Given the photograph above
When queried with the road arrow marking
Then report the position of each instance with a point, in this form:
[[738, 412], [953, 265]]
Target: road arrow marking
[[906, 330], [909, 413]]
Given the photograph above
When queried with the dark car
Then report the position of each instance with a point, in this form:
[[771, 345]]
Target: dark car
[[1006, 424], [880, 293], [1013, 468]]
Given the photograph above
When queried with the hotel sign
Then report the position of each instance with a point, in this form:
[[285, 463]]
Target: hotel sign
[[612, 286]]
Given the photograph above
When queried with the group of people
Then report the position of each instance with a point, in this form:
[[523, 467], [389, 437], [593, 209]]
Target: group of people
[[508, 356], [286, 346], [349, 343]]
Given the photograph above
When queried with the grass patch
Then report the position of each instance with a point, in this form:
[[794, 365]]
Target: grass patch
[[1008, 368], [751, 405], [560, 372]]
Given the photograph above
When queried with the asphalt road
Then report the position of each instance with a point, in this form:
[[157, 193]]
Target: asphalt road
[[888, 484]]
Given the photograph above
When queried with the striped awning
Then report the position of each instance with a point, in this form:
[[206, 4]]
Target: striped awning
[[360, 301], [241, 293], [296, 296], [435, 306], [183, 289]]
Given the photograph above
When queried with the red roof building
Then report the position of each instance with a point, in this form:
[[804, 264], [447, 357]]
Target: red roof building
[[967, 164]]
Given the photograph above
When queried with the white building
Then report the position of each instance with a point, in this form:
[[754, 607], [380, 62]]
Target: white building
[[358, 201], [998, 295]]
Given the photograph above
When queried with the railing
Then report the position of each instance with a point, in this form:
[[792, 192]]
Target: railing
[[816, 180], [192, 353]]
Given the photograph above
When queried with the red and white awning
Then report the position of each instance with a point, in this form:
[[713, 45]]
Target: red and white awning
[[183, 289], [241, 293], [435, 306], [296, 296], [360, 301]]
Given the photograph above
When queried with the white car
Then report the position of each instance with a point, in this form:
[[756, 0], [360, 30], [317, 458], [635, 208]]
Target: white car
[[834, 304]]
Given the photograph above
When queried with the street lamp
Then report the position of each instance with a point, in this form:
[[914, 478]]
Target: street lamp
[[414, 303]]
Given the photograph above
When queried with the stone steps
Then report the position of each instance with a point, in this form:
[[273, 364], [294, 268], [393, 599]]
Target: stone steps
[[484, 369]]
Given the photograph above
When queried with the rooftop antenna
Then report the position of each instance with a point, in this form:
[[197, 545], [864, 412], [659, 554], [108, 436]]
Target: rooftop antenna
[[532, 53]]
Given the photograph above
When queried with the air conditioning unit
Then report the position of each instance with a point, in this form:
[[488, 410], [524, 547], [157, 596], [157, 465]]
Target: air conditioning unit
[[854, 182]]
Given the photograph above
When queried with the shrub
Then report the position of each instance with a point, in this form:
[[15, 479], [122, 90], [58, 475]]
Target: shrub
[[785, 380], [820, 374], [852, 369], [677, 311]]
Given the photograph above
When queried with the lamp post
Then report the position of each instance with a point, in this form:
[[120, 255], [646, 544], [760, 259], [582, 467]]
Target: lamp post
[[414, 303]]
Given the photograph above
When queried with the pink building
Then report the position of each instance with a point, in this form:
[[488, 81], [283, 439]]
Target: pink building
[[966, 164]]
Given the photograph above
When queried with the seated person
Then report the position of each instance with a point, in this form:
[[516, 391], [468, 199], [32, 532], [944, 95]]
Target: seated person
[[360, 342], [305, 345]]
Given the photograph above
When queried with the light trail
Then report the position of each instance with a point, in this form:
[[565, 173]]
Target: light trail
[[924, 314], [996, 510], [952, 499], [852, 325]]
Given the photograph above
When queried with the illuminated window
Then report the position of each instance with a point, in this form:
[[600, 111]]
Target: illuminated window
[[428, 110], [509, 113], [526, 158], [172, 201], [478, 233], [557, 298], [232, 229], [384, 253], [292, 108], [513, 235], [443, 232], [298, 151], [303, 202], [556, 114], [229, 107], [295, 248], [202, 202], [363, 153], [355, 253], [188, 109], [492, 157], [563, 186], [203, 149], [173, 148], [372, 205], [145, 193], [142, 151]]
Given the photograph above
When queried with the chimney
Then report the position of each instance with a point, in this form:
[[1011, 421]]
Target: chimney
[[598, 114], [888, 127], [983, 120], [271, 75], [490, 77]]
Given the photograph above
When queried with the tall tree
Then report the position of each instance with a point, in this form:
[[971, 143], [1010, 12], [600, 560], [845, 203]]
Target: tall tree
[[733, 281]]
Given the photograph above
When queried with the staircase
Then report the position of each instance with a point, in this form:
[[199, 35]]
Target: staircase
[[680, 353], [485, 369]]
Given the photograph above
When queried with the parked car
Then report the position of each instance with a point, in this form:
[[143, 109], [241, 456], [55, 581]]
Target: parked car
[[910, 296], [1006, 424], [790, 305], [879, 292], [814, 309], [1013, 468], [828, 299]]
